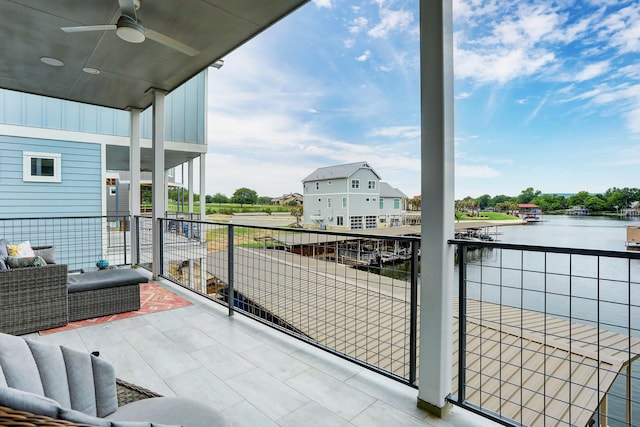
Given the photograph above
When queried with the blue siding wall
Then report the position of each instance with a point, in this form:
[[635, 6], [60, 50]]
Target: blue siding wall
[[78, 194], [185, 114]]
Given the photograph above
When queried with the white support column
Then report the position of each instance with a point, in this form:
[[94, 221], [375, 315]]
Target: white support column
[[437, 262], [134, 183], [203, 192], [192, 281], [203, 275], [190, 184], [158, 179]]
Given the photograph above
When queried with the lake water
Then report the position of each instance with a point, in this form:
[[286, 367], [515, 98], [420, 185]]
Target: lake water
[[588, 232], [582, 289]]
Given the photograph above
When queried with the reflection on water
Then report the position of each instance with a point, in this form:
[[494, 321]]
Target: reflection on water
[[582, 289]]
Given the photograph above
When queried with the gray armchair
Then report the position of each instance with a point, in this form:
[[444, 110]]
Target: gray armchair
[[46, 381]]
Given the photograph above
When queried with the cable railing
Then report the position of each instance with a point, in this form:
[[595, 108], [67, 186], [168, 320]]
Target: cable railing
[[352, 295], [547, 336], [80, 242]]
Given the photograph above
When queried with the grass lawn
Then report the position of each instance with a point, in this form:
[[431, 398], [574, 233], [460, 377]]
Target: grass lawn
[[489, 216]]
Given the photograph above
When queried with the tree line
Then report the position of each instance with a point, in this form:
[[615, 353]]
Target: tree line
[[611, 200]]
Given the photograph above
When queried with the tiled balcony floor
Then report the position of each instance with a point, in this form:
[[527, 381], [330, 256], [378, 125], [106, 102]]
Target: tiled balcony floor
[[252, 373]]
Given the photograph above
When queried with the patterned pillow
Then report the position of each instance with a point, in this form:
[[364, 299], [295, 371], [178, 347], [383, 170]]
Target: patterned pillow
[[22, 250], [20, 262]]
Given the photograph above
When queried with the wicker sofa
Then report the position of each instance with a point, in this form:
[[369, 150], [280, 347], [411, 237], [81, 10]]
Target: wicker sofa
[[33, 299], [46, 384]]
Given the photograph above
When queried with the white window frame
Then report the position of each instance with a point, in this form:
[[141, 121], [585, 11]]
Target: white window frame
[[344, 203], [396, 203], [317, 186], [355, 184], [372, 185], [381, 203], [340, 220], [328, 202], [27, 156]]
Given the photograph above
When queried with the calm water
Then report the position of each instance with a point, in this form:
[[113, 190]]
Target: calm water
[[570, 231], [588, 290]]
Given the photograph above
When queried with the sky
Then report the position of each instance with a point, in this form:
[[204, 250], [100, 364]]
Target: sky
[[547, 95]]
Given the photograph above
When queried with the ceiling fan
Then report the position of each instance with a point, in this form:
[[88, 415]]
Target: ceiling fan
[[129, 29]]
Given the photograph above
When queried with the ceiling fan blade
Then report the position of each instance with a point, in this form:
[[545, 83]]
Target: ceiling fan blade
[[168, 41], [88, 28], [128, 8]]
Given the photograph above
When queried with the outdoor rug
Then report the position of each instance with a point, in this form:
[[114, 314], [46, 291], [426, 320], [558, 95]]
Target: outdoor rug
[[153, 299]]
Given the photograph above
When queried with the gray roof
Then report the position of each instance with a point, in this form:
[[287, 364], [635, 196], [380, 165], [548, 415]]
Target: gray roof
[[338, 171], [387, 190]]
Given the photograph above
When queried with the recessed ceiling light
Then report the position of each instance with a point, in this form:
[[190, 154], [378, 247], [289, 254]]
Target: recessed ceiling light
[[52, 61], [90, 70]]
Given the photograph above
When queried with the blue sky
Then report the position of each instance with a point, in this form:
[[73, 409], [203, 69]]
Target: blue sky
[[547, 96]]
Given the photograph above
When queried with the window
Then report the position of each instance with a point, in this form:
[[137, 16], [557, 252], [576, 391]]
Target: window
[[112, 191], [328, 182], [355, 184], [339, 220], [371, 221], [344, 203], [317, 186], [41, 167], [356, 222], [329, 202], [381, 203], [396, 203], [372, 185]]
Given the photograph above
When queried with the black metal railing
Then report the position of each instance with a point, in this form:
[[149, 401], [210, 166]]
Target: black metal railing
[[353, 295], [80, 242], [546, 335]]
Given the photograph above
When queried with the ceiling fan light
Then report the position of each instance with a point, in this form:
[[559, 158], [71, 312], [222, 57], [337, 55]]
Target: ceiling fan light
[[129, 30]]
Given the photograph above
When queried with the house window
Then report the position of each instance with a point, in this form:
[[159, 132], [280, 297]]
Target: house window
[[396, 203], [344, 203], [339, 220], [41, 167], [328, 182], [355, 184], [317, 186], [112, 191], [371, 221], [329, 202], [372, 185], [356, 222], [381, 203]]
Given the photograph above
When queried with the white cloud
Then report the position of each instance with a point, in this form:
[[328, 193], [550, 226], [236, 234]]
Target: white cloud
[[323, 3], [473, 171], [358, 25], [405, 132], [592, 71], [391, 21], [365, 55], [348, 43]]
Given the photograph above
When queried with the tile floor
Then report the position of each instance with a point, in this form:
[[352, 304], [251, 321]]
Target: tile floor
[[252, 373]]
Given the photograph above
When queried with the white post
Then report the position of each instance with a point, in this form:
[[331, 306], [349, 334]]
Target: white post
[[437, 262], [203, 202], [190, 184], [192, 280], [158, 179], [203, 274], [134, 182]]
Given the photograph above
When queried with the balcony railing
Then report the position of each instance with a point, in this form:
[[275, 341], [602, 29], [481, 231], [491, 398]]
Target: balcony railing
[[542, 335], [548, 336], [78, 242], [353, 295]]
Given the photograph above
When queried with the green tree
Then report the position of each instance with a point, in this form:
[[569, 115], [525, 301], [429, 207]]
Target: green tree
[[595, 203], [526, 196], [500, 199], [218, 198], [550, 202], [244, 196], [483, 201], [578, 199], [297, 212], [264, 200]]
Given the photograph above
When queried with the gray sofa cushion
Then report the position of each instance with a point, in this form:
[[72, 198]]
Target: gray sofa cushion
[[28, 402], [48, 253], [3, 253], [171, 410], [49, 359], [104, 279], [19, 367]]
